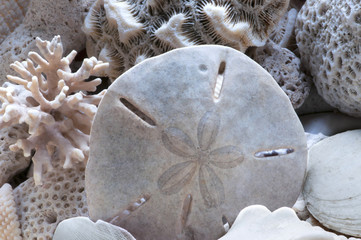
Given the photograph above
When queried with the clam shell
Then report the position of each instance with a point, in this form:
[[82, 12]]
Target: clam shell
[[332, 189]]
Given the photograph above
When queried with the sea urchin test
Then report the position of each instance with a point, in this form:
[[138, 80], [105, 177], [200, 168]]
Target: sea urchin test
[[185, 140]]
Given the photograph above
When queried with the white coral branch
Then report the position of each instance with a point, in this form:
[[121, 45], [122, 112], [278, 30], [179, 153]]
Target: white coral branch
[[51, 100]]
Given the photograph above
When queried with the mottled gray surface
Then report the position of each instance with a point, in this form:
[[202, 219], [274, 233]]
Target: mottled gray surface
[[194, 160]]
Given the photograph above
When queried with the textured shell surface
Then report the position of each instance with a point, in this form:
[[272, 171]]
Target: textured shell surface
[[12, 13], [126, 32], [328, 35], [332, 189], [167, 153]]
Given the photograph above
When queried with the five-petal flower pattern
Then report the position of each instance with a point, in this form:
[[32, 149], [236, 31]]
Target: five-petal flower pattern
[[200, 158]]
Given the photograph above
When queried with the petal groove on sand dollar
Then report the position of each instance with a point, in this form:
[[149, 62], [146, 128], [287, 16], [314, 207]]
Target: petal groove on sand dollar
[[183, 141]]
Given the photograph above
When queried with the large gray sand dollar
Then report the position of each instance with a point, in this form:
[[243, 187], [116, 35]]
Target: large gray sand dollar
[[183, 141]]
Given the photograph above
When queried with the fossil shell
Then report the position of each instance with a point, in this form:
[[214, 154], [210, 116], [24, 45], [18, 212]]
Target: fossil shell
[[332, 189], [182, 141]]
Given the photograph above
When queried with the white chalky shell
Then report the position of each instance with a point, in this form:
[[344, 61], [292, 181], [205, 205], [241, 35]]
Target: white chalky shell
[[332, 189]]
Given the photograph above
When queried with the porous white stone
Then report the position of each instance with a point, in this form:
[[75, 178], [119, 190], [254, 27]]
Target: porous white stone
[[328, 35]]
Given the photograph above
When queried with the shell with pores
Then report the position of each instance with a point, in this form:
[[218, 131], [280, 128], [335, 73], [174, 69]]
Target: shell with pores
[[328, 35], [332, 189], [124, 33]]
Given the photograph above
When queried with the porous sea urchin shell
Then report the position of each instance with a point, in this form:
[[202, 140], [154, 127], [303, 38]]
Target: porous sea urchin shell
[[328, 37], [124, 32], [285, 68], [42, 208]]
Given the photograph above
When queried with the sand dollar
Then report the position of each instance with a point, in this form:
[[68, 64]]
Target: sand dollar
[[183, 141]]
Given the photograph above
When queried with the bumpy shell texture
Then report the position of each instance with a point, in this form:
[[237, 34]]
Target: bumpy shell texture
[[48, 97], [9, 223], [285, 68], [125, 32], [328, 37], [41, 208]]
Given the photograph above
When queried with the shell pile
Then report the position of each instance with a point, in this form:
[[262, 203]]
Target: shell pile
[[186, 137]]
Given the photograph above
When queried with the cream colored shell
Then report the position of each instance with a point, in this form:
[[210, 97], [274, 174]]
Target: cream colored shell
[[9, 222], [332, 189], [256, 222]]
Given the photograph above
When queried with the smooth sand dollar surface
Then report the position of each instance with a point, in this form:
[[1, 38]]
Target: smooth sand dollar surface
[[183, 141]]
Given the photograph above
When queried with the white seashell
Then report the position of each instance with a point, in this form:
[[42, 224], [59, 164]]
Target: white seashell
[[332, 189], [82, 228], [256, 222]]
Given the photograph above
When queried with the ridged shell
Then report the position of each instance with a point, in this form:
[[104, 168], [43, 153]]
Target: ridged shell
[[332, 189], [124, 32], [12, 13]]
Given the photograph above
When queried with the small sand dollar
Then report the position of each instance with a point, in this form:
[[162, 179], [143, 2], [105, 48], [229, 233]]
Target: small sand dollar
[[183, 141]]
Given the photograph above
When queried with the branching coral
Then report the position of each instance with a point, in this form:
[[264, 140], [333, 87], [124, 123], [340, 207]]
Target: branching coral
[[48, 98]]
